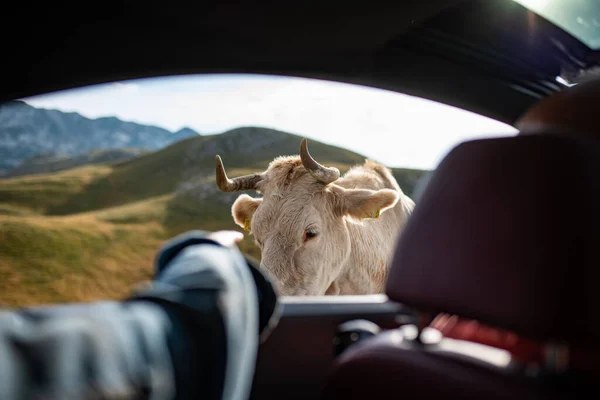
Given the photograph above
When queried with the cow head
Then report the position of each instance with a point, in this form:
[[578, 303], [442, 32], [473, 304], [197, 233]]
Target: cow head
[[300, 222]]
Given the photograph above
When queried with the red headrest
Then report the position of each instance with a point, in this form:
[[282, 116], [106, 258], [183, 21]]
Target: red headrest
[[508, 232]]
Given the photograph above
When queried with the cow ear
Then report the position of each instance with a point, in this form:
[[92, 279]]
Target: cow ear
[[243, 209], [364, 203]]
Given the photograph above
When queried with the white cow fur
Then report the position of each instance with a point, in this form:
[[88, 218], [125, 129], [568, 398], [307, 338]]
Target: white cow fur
[[358, 218]]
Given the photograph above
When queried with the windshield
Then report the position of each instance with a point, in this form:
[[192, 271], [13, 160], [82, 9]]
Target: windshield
[[94, 180], [581, 18]]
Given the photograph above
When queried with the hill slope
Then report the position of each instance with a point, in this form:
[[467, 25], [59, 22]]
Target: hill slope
[[92, 232], [47, 163], [179, 168], [26, 131]]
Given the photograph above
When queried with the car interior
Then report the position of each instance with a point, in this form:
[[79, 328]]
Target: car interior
[[493, 237]]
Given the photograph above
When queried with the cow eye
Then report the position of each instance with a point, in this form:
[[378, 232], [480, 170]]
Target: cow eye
[[310, 233]]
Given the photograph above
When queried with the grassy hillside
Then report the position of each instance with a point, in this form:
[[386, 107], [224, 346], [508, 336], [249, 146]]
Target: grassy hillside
[[92, 232], [48, 163]]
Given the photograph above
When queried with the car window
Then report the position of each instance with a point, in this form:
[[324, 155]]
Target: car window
[[581, 18], [94, 180]]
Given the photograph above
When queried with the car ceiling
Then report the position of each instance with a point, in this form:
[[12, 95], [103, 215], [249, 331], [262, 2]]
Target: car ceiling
[[434, 49]]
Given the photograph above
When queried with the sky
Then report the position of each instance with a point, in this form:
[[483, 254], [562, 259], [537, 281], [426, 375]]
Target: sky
[[395, 129]]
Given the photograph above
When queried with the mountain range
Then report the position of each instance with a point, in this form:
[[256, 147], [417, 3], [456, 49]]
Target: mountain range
[[27, 131]]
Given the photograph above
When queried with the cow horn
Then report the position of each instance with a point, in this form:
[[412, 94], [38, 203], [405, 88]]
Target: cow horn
[[323, 174], [246, 182]]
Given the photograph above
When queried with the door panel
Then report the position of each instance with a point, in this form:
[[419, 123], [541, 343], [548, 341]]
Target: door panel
[[295, 360]]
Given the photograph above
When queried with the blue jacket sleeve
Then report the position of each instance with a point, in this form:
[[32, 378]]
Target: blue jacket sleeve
[[192, 333]]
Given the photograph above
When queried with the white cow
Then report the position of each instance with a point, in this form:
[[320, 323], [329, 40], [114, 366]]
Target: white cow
[[320, 234]]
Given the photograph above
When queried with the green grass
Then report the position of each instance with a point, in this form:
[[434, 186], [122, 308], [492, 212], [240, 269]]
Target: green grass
[[45, 192], [15, 210], [49, 260], [97, 254], [137, 212]]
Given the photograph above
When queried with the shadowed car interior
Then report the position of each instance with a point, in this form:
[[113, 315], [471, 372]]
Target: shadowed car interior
[[492, 239]]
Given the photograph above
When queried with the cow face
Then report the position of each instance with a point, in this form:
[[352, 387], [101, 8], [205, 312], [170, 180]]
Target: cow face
[[301, 222], [302, 232]]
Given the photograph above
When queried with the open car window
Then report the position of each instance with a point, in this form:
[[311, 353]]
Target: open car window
[[94, 180]]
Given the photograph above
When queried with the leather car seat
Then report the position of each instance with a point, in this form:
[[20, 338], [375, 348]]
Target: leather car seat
[[572, 112], [505, 234]]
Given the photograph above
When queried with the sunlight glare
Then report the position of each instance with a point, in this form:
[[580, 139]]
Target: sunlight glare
[[535, 5]]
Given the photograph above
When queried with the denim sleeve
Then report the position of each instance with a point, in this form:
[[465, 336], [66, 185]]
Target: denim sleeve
[[192, 334], [99, 350]]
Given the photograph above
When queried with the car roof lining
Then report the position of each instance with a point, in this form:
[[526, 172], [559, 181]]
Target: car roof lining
[[440, 50]]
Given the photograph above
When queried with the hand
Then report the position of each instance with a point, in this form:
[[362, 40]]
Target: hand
[[226, 238]]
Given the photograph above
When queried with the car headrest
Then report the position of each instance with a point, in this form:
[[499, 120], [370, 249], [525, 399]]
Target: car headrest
[[574, 111], [508, 232]]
